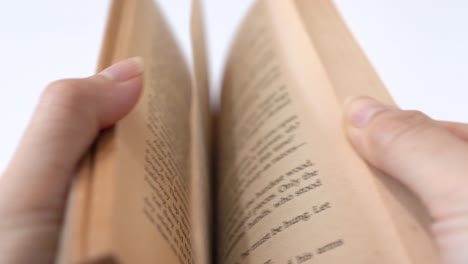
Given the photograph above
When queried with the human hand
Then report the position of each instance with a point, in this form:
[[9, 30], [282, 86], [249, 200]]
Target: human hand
[[429, 157], [34, 187]]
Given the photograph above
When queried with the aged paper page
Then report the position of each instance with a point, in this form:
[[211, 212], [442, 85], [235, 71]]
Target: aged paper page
[[291, 188], [139, 202], [200, 142], [351, 74], [151, 208]]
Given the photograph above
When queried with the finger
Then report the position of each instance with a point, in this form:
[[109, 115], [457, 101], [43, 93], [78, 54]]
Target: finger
[[422, 154], [458, 129], [66, 121]]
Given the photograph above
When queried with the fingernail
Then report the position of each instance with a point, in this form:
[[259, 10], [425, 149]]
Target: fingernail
[[124, 70], [361, 109]]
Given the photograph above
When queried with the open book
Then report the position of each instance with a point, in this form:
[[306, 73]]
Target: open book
[[282, 184]]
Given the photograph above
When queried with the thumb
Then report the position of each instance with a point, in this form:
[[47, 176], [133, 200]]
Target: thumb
[[423, 155], [68, 117]]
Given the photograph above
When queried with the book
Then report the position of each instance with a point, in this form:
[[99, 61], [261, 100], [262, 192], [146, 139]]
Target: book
[[276, 181]]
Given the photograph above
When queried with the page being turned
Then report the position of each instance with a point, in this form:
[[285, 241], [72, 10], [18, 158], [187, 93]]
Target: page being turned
[[351, 74], [152, 207], [139, 208], [291, 189]]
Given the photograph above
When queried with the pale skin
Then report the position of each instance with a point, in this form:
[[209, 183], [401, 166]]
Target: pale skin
[[430, 157]]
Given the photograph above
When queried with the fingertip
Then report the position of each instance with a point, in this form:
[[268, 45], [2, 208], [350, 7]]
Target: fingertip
[[361, 109], [124, 70], [120, 101]]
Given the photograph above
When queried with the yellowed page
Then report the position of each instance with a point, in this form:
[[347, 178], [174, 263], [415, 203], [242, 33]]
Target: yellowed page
[[200, 142], [151, 214], [351, 74], [139, 197], [291, 187]]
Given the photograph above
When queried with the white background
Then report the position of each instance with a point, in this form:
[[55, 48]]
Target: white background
[[419, 48]]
